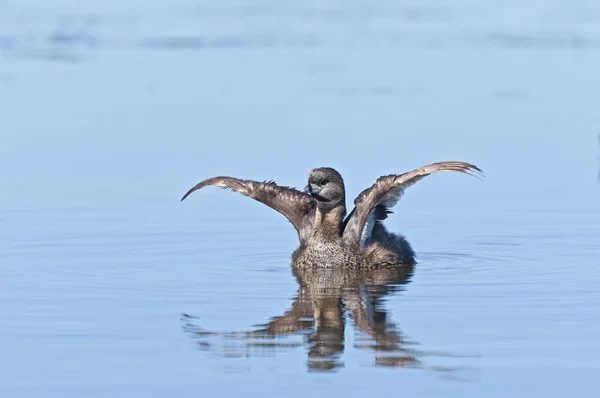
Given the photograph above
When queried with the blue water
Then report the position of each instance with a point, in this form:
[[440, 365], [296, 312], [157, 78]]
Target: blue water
[[110, 111]]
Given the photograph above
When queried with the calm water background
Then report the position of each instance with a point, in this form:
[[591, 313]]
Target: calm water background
[[111, 110]]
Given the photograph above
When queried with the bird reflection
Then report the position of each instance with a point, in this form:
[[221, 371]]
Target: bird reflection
[[327, 299]]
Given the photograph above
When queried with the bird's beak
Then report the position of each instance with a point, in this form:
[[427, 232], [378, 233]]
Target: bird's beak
[[312, 189]]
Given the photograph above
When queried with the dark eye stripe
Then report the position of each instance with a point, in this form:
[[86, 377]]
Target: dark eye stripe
[[324, 182]]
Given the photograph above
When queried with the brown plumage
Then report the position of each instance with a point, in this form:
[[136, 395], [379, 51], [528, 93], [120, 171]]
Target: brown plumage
[[296, 206], [317, 214], [389, 189]]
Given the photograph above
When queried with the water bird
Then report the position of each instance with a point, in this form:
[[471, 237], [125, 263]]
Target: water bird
[[328, 238]]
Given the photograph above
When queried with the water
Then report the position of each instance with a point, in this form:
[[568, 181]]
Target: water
[[109, 286]]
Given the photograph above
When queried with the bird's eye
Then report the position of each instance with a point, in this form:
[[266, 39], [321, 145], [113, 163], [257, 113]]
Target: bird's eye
[[324, 182]]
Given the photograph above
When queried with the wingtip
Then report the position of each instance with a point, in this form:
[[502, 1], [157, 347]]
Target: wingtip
[[478, 169], [466, 168], [194, 188], [473, 170], [478, 172], [187, 194]]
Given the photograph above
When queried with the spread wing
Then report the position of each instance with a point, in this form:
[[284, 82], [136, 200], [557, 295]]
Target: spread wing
[[373, 203], [296, 206]]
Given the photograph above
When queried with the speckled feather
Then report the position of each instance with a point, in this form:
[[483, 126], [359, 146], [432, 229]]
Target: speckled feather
[[387, 190], [296, 206]]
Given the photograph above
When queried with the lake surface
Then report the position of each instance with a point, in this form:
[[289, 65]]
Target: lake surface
[[112, 287]]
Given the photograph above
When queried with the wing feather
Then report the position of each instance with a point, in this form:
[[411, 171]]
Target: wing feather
[[387, 191], [296, 206]]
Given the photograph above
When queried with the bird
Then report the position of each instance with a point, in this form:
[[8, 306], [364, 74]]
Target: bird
[[327, 237]]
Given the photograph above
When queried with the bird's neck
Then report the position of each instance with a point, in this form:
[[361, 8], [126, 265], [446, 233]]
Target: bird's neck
[[328, 221]]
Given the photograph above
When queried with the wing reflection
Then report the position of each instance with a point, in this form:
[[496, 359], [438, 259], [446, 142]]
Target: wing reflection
[[326, 299]]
